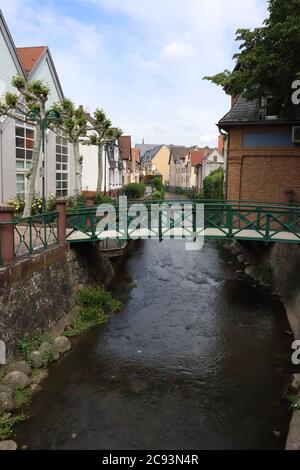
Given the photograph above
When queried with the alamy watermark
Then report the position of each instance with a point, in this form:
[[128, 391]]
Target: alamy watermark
[[181, 221], [296, 93], [296, 353]]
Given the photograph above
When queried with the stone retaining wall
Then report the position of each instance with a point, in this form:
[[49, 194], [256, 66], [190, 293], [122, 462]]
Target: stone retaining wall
[[39, 291]]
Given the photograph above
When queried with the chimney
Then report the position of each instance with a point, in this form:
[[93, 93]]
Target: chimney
[[143, 141]]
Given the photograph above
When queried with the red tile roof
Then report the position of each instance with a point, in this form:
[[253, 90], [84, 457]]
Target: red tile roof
[[198, 156], [136, 154], [125, 147], [29, 56]]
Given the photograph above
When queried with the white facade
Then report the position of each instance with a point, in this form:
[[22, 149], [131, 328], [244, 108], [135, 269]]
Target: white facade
[[213, 162], [16, 139], [112, 179]]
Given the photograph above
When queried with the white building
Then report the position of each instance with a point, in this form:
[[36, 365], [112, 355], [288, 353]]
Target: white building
[[16, 139], [112, 165]]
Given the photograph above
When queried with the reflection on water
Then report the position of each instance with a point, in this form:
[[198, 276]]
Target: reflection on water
[[197, 359]]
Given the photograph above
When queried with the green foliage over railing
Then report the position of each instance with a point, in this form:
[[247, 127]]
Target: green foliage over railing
[[135, 190]]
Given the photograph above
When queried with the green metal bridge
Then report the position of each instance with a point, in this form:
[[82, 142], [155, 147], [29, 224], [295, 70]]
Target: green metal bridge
[[229, 220]]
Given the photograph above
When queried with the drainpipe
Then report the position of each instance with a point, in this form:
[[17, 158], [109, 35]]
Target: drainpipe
[[226, 151]]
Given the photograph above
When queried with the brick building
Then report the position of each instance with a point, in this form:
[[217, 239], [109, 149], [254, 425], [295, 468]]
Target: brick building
[[262, 155]]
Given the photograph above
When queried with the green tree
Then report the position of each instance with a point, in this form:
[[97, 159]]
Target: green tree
[[268, 61], [213, 185], [28, 106]]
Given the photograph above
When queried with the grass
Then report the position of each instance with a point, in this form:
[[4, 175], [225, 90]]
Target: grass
[[294, 402], [30, 343], [265, 272], [7, 421], [94, 305], [22, 397]]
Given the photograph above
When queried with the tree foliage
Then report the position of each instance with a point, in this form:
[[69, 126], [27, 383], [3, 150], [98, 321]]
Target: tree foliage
[[268, 60], [213, 185], [135, 190]]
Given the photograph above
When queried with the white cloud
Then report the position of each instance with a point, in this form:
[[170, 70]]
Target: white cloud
[[113, 54], [178, 50]]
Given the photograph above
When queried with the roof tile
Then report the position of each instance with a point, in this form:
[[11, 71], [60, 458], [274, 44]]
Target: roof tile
[[29, 56]]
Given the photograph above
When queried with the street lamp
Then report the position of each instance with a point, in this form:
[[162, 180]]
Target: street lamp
[[50, 116]]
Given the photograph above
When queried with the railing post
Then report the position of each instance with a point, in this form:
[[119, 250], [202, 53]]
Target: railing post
[[6, 234], [268, 227], [229, 211], [62, 220]]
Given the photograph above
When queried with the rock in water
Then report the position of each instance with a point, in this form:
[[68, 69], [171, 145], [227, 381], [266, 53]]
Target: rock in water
[[250, 270], [21, 366], [61, 344], [36, 359], [16, 380], [6, 401], [8, 445]]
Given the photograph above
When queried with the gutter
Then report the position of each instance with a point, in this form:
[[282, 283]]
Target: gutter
[[226, 126]]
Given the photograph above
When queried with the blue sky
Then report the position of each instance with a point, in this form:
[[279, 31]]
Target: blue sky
[[141, 60]]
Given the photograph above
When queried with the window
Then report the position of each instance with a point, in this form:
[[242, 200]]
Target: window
[[215, 158], [272, 108], [24, 151], [62, 167]]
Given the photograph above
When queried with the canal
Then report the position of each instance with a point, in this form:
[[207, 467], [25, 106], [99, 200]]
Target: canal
[[197, 359]]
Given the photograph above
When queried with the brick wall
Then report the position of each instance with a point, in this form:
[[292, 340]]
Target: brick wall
[[264, 173]]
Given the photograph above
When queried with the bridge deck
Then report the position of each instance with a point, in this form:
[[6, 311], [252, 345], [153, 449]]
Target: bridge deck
[[237, 234]]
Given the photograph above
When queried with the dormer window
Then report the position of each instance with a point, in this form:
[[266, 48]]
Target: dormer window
[[272, 108]]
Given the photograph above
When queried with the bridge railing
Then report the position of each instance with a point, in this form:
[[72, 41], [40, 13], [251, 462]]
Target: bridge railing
[[252, 221]]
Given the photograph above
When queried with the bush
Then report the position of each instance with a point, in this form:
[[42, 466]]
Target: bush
[[213, 185], [199, 196], [73, 203], [135, 190], [102, 199], [37, 204], [94, 306], [18, 204], [158, 184], [158, 196], [97, 297], [51, 203]]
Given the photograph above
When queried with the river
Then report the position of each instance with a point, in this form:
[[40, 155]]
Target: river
[[197, 359]]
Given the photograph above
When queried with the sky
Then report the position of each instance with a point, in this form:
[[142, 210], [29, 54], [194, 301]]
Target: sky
[[142, 61]]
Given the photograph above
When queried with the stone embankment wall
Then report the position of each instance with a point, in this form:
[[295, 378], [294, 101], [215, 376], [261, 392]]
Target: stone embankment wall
[[39, 291], [284, 262]]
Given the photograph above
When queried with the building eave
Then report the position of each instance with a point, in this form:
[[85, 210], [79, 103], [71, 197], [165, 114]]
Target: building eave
[[228, 125], [47, 54]]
